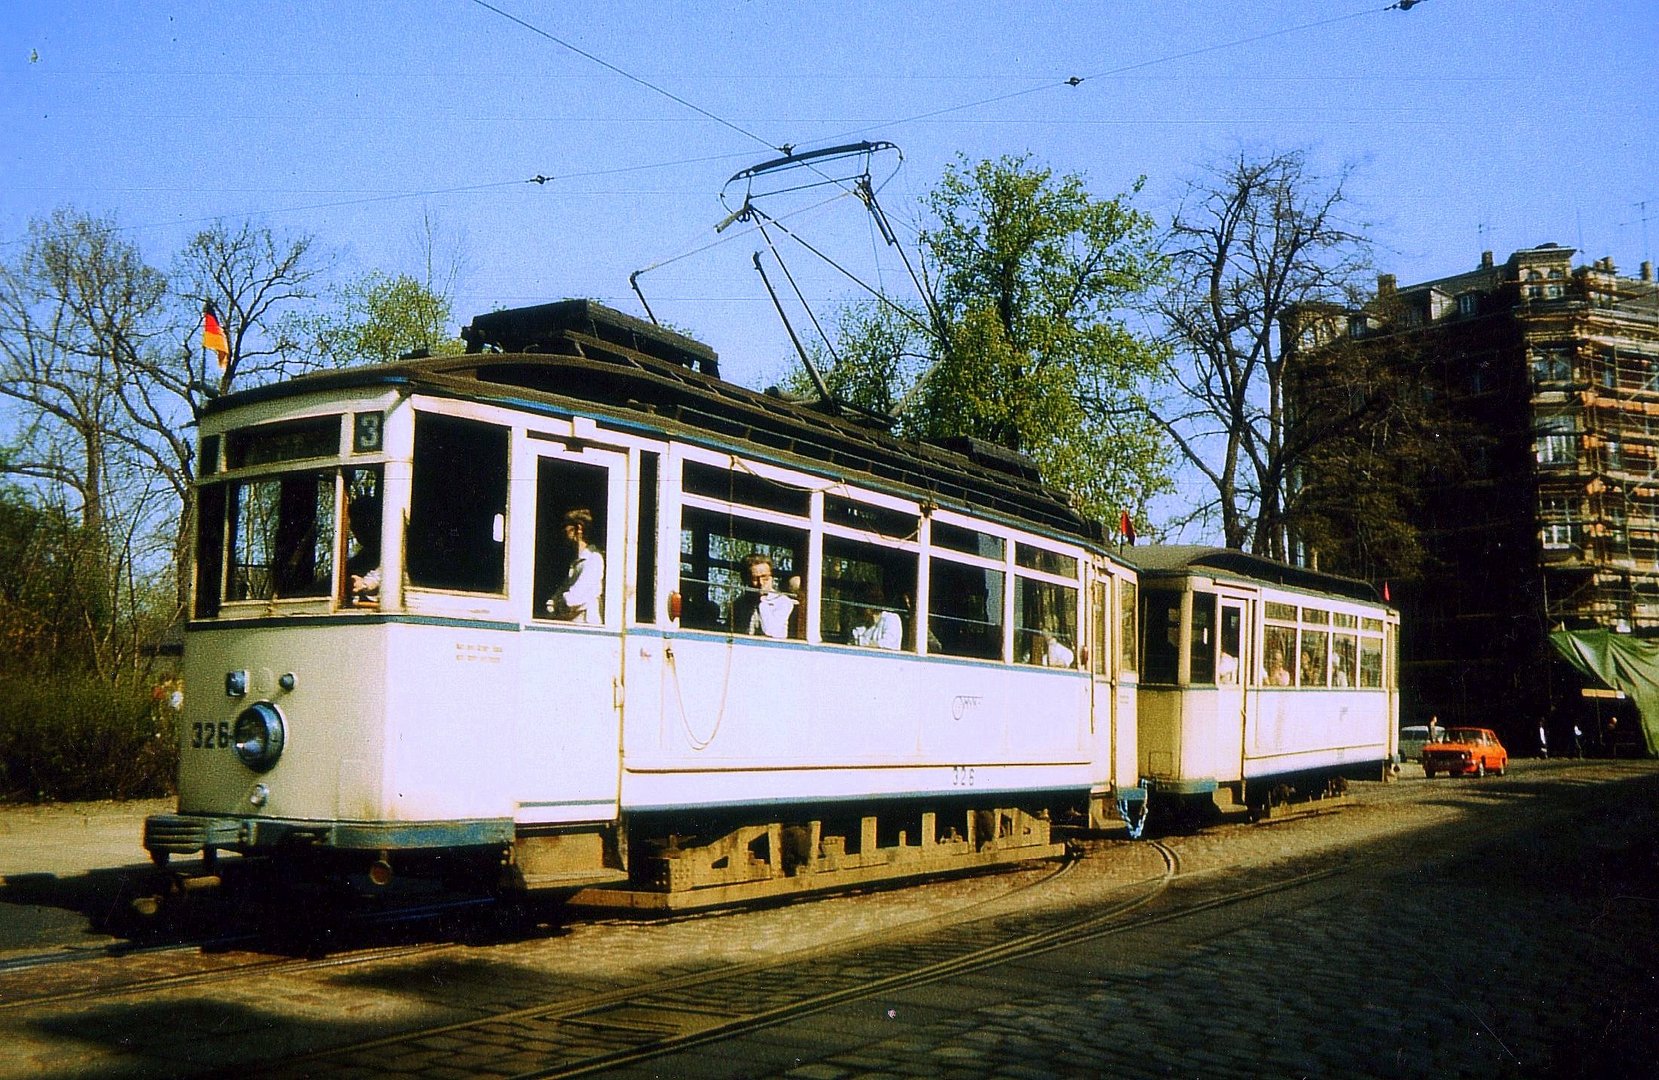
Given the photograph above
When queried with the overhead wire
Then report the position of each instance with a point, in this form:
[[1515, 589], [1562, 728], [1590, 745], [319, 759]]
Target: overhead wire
[[608, 66], [1078, 80]]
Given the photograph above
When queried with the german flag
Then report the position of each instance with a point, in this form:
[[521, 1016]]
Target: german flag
[[213, 336]]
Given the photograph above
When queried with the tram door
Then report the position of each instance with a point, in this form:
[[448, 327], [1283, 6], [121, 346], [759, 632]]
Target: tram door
[[1233, 663], [572, 657]]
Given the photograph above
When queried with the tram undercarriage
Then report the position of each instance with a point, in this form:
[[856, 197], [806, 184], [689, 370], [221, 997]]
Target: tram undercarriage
[[747, 862]]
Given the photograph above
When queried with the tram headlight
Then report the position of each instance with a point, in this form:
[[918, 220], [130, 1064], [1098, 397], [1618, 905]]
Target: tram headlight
[[259, 735]]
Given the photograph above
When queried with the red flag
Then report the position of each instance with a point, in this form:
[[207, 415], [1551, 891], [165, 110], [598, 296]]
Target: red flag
[[1386, 598], [1126, 529], [213, 337]]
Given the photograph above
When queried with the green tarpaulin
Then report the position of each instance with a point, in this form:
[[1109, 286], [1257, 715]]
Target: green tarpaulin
[[1618, 662]]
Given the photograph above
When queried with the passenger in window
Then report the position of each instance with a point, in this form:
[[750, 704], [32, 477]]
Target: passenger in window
[[874, 626], [797, 618], [1280, 674], [762, 609], [1050, 651], [363, 564], [577, 600], [1226, 669]]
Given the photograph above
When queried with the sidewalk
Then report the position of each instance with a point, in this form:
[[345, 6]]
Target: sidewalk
[[67, 839]]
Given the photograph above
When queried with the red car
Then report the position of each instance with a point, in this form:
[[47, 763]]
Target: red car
[[1461, 751]]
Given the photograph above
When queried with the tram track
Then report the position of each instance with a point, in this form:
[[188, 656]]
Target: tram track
[[257, 965], [636, 1023]]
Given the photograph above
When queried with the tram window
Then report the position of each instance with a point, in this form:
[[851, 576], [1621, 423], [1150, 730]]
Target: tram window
[[1346, 621], [566, 590], [1045, 623], [282, 537], [1371, 662], [1161, 648], [869, 595], [1201, 639], [741, 486], [1278, 653], [286, 440], [1344, 651], [208, 457], [1276, 610], [968, 541], [1051, 562], [456, 540], [1232, 634], [1315, 644], [965, 610], [1101, 628], [210, 549], [1127, 638], [713, 547], [360, 584], [645, 556], [1317, 616], [1375, 626], [876, 519]]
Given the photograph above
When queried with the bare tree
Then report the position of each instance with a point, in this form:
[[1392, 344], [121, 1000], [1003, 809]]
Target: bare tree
[[1254, 240], [78, 307], [252, 277]]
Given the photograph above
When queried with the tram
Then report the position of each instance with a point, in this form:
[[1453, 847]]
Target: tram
[[1261, 684], [570, 612]]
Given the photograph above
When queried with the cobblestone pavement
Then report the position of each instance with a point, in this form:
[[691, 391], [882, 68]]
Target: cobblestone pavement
[[1505, 927], [1533, 954]]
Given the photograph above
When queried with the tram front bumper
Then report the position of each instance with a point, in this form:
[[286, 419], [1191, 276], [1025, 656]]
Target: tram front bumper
[[185, 834]]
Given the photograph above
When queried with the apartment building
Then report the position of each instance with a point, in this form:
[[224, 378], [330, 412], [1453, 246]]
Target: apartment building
[[1551, 518]]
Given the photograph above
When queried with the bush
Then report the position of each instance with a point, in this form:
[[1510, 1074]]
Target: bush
[[66, 738]]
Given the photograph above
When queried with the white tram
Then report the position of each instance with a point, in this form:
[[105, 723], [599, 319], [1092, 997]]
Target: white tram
[[451, 715], [1260, 682]]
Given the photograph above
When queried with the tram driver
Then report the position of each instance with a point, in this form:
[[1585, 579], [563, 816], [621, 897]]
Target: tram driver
[[363, 565], [762, 609], [577, 600]]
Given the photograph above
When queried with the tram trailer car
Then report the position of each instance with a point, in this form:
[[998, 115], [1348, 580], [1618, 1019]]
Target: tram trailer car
[[388, 668], [1260, 683]]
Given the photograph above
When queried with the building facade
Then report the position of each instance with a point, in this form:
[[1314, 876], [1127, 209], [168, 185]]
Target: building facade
[[1550, 518]]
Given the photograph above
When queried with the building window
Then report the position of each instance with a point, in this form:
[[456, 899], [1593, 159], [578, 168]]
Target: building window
[[1552, 365], [1555, 441], [1468, 303], [1555, 522]]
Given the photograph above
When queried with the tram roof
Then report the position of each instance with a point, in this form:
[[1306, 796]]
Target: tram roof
[[580, 356], [1182, 558]]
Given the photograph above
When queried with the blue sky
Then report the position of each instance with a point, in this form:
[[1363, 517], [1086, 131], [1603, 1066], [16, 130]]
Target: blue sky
[[1476, 124]]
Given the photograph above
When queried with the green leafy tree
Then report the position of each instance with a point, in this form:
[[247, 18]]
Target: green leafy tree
[[376, 319], [1031, 276]]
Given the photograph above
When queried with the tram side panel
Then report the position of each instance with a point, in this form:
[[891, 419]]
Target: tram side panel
[[744, 722], [1299, 731]]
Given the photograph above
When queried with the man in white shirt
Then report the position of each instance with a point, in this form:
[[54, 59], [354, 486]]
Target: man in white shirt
[[577, 600], [763, 610]]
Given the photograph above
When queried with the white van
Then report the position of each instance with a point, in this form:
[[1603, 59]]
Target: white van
[[1412, 741]]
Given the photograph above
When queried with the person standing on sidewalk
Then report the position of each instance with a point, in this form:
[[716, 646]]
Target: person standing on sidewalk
[[1543, 741]]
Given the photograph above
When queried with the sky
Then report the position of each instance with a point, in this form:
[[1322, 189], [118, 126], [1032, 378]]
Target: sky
[[1472, 125]]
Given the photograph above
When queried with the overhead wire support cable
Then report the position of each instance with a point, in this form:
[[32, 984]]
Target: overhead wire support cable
[[1078, 80], [608, 66]]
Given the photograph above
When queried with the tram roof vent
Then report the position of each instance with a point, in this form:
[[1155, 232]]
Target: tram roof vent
[[554, 328], [992, 456]]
